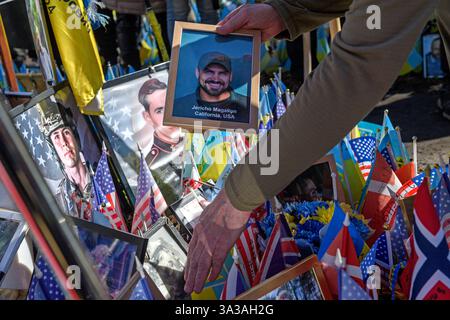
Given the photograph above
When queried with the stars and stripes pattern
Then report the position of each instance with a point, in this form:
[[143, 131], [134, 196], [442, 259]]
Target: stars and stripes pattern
[[280, 108], [380, 203], [281, 251], [106, 198], [27, 125], [349, 289], [145, 214], [344, 243], [43, 283], [248, 253], [399, 234], [441, 202], [364, 151], [410, 188], [383, 257], [235, 284], [429, 264]]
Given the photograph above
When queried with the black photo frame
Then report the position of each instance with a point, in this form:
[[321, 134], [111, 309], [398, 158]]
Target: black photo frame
[[166, 256]]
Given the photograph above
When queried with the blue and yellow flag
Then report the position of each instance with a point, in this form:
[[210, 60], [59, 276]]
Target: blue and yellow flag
[[323, 47], [78, 49]]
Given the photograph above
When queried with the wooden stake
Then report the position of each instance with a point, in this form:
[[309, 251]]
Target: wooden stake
[[307, 60], [335, 27], [414, 139]]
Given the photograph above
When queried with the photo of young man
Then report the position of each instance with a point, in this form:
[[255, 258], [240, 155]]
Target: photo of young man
[[214, 98]]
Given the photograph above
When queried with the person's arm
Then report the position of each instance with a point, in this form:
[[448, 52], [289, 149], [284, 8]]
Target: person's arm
[[342, 90], [301, 16]]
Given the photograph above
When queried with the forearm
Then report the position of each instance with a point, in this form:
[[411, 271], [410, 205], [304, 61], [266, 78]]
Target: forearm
[[343, 89], [301, 16]]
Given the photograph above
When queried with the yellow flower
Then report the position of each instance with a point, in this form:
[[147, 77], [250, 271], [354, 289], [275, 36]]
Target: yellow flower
[[324, 215]]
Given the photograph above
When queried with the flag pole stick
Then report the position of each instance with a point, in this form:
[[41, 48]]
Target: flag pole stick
[[307, 59], [414, 141], [335, 195], [347, 183], [335, 27]]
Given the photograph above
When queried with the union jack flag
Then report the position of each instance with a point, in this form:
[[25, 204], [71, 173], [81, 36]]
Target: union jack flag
[[441, 201], [105, 195], [364, 150], [145, 214], [281, 251], [427, 274]]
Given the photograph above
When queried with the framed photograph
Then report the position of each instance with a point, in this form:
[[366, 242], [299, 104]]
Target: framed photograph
[[188, 211], [12, 232], [133, 121], [315, 183], [128, 290], [304, 281], [112, 252], [213, 78], [165, 259], [432, 56], [60, 141]]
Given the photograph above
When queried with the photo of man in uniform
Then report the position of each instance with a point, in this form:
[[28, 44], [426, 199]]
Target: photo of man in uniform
[[74, 191], [433, 59], [164, 156], [214, 98]]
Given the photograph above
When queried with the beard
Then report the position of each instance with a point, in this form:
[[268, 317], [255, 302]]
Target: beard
[[214, 92]]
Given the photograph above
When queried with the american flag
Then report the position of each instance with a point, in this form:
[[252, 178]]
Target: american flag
[[43, 284], [344, 243], [281, 251], [399, 234], [380, 203], [383, 257], [364, 150], [141, 291], [368, 262], [386, 151], [428, 269], [280, 108], [241, 147], [349, 289], [144, 211], [105, 195], [235, 284], [410, 188], [27, 125], [441, 202], [248, 252]]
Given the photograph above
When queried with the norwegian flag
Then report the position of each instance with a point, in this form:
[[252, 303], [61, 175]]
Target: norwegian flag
[[427, 274], [344, 243], [380, 203], [105, 195], [410, 188], [145, 214], [364, 151], [248, 252], [441, 202], [235, 284], [281, 251]]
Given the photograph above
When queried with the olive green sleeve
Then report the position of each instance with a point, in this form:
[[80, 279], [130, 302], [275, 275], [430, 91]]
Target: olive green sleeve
[[342, 90]]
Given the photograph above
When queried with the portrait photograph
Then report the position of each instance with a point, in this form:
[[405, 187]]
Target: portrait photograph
[[314, 184], [213, 78], [133, 123], [432, 56], [61, 144], [303, 281], [166, 257]]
